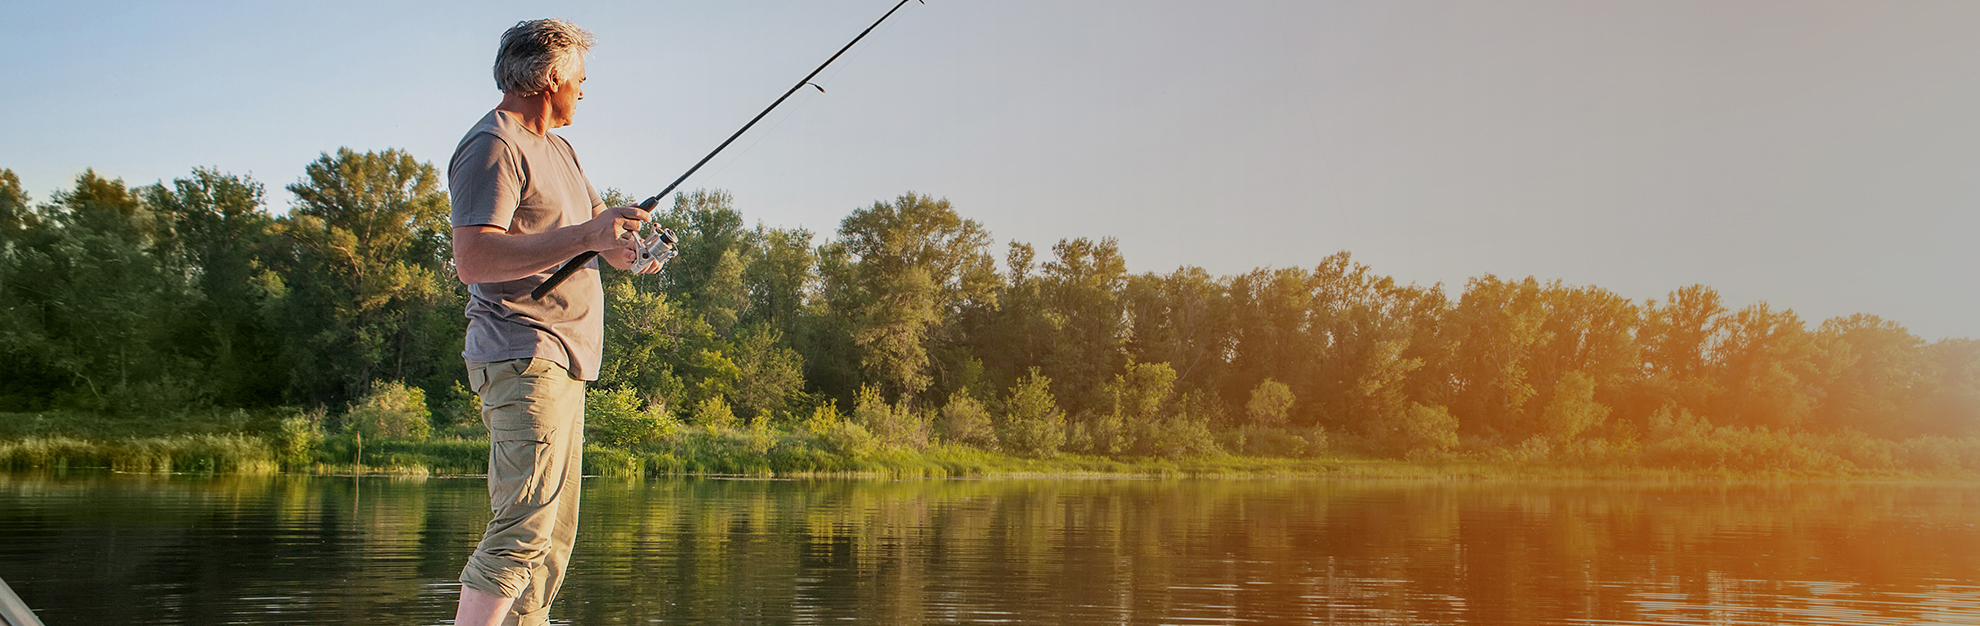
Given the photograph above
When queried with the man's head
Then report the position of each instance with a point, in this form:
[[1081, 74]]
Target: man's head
[[540, 56]]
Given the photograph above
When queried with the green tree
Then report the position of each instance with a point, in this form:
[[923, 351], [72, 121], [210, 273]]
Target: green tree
[[1592, 332], [1138, 413], [616, 417], [908, 268], [1949, 403], [1363, 333], [25, 383], [1081, 287], [1016, 334], [391, 410], [1272, 317], [780, 270], [707, 278], [1678, 338], [1770, 371], [892, 424], [714, 412], [1571, 408], [964, 420], [366, 287], [1183, 319], [769, 373], [648, 344], [1271, 403], [1882, 375], [1032, 422], [1497, 326], [1418, 428], [219, 230], [17, 215], [1153, 422], [93, 303]]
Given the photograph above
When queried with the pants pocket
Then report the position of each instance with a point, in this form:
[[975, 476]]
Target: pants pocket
[[520, 472]]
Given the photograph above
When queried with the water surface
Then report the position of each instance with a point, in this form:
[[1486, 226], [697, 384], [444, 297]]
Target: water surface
[[121, 549]]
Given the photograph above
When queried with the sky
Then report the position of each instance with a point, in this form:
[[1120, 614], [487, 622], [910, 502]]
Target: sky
[[1821, 156]]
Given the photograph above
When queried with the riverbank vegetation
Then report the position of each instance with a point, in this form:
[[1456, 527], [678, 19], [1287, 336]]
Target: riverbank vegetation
[[175, 326]]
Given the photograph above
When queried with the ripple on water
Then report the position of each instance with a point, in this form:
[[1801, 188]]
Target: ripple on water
[[302, 550]]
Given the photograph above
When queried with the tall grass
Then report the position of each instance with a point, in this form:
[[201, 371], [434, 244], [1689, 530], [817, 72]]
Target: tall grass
[[210, 454], [248, 443]]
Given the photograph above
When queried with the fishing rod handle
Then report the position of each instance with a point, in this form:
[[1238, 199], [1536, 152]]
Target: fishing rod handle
[[571, 267]]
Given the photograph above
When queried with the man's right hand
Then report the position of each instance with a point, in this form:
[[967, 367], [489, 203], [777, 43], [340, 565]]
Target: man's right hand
[[612, 227]]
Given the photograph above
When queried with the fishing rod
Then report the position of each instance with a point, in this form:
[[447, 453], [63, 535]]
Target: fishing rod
[[659, 247]]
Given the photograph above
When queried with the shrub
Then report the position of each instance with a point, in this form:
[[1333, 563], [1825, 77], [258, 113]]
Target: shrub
[[1573, 409], [1933, 453], [1271, 404], [1099, 433], [894, 424], [964, 420], [460, 408], [393, 410], [615, 418], [1417, 429], [1033, 424], [1182, 432], [714, 412], [1279, 442], [296, 437], [613, 462], [1762, 449], [833, 434]]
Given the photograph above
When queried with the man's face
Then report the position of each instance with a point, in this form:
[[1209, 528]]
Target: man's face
[[564, 98]]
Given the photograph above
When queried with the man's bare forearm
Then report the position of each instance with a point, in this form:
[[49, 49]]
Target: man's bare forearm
[[486, 254]]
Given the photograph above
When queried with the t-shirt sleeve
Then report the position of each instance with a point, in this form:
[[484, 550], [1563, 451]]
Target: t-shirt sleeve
[[485, 183]]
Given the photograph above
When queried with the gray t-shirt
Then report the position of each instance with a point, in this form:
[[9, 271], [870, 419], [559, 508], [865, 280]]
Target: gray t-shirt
[[505, 176]]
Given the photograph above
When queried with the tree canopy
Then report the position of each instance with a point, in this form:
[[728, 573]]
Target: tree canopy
[[193, 293]]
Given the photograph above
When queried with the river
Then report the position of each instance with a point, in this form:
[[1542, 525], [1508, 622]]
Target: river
[[99, 549]]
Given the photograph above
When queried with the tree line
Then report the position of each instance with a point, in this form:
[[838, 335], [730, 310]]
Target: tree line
[[911, 321]]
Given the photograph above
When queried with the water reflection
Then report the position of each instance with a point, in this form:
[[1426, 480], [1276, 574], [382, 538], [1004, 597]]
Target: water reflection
[[295, 550]]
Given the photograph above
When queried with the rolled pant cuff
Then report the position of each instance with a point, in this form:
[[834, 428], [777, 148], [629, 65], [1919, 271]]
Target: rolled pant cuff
[[538, 617], [507, 582]]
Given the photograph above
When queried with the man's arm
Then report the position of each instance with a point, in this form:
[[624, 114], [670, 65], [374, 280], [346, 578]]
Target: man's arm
[[489, 254]]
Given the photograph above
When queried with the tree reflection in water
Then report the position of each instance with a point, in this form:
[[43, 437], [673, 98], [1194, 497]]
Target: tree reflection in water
[[298, 550]]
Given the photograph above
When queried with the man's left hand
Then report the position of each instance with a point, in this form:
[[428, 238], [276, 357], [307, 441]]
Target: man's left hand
[[624, 256]]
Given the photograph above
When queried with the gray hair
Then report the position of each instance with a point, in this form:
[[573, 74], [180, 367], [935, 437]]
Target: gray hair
[[536, 54]]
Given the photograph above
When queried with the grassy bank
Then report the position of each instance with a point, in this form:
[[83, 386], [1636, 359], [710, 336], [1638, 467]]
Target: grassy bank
[[239, 442]]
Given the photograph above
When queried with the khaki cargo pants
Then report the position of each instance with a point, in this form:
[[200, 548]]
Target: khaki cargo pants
[[534, 411]]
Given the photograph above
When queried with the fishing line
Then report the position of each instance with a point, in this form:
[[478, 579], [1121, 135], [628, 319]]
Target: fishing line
[[659, 246], [772, 130], [798, 109]]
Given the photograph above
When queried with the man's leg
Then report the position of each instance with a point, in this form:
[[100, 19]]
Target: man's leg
[[532, 608], [534, 412], [480, 608]]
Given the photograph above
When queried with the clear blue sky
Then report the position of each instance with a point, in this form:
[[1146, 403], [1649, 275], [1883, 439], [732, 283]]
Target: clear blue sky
[[1822, 156]]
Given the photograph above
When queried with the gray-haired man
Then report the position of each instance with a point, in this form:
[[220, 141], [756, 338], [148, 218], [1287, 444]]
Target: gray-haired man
[[521, 206]]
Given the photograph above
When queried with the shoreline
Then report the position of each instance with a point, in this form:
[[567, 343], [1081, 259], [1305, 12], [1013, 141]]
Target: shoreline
[[276, 442], [66, 455]]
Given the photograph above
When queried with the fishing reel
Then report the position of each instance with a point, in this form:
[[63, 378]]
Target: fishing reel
[[655, 250]]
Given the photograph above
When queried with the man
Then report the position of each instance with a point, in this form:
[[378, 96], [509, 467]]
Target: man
[[522, 206]]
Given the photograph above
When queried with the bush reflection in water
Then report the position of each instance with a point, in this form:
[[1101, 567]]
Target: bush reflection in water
[[298, 550]]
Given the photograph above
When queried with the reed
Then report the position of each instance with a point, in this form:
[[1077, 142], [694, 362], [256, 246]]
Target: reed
[[206, 454], [239, 442]]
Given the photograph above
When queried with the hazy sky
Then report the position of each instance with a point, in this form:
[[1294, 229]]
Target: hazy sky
[[1820, 156]]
